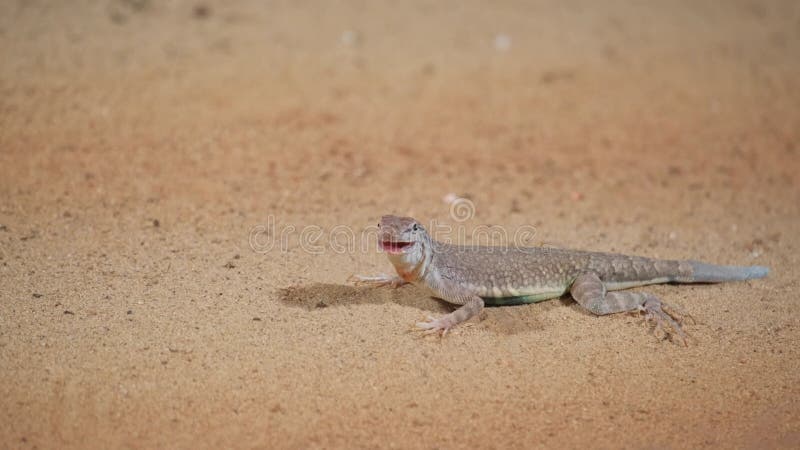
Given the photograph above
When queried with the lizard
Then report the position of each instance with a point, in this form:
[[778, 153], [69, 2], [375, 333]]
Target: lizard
[[474, 276]]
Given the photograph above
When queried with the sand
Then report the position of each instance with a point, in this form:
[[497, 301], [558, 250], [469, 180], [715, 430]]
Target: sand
[[145, 147]]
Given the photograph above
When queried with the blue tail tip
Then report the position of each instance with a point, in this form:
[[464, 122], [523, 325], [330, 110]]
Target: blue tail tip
[[757, 271]]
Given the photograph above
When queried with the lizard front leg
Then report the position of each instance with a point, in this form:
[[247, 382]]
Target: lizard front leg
[[590, 292], [472, 306], [377, 280]]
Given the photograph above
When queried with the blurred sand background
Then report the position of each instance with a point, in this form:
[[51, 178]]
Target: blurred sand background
[[141, 142]]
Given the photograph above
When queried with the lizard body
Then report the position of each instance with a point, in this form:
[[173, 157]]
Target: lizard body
[[474, 276]]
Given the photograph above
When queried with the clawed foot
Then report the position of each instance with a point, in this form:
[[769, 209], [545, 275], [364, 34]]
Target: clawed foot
[[377, 281], [441, 325], [667, 320]]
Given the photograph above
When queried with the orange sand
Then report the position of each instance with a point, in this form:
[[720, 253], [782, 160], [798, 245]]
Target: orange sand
[[141, 143]]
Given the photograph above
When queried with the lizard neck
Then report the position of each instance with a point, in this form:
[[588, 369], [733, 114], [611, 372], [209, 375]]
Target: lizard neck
[[413, 265]]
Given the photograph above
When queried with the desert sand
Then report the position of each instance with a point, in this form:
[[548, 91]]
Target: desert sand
[[145, 146]]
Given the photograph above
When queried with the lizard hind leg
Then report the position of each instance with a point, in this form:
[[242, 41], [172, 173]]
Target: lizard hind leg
[[590, 292], [664, 317]]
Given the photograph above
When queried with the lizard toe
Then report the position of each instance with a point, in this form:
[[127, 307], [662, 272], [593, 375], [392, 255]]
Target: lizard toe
[[432, 326], [665, 323]]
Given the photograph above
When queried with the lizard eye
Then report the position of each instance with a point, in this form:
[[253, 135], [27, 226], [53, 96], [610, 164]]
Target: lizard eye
[[415, 228]]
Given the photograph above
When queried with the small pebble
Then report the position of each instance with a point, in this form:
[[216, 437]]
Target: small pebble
[[201, 11], [349, 38], [502, 42]]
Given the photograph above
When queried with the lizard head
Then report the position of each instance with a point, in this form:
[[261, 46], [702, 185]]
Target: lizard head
[[406, 243], [398, 235]]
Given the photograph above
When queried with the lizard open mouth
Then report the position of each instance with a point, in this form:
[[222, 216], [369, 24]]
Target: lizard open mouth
[[395, 247]]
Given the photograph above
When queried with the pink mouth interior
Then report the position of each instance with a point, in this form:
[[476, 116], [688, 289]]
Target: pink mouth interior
[[394, 247]]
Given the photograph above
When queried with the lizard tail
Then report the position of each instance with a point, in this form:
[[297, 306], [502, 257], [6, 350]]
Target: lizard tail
[[710, 273]]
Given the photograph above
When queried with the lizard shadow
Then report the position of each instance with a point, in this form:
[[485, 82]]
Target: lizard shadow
[[507, 320], [322, 295], [515, 319]]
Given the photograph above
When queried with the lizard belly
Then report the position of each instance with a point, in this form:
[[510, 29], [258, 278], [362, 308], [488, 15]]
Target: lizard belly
[[518, 296]]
